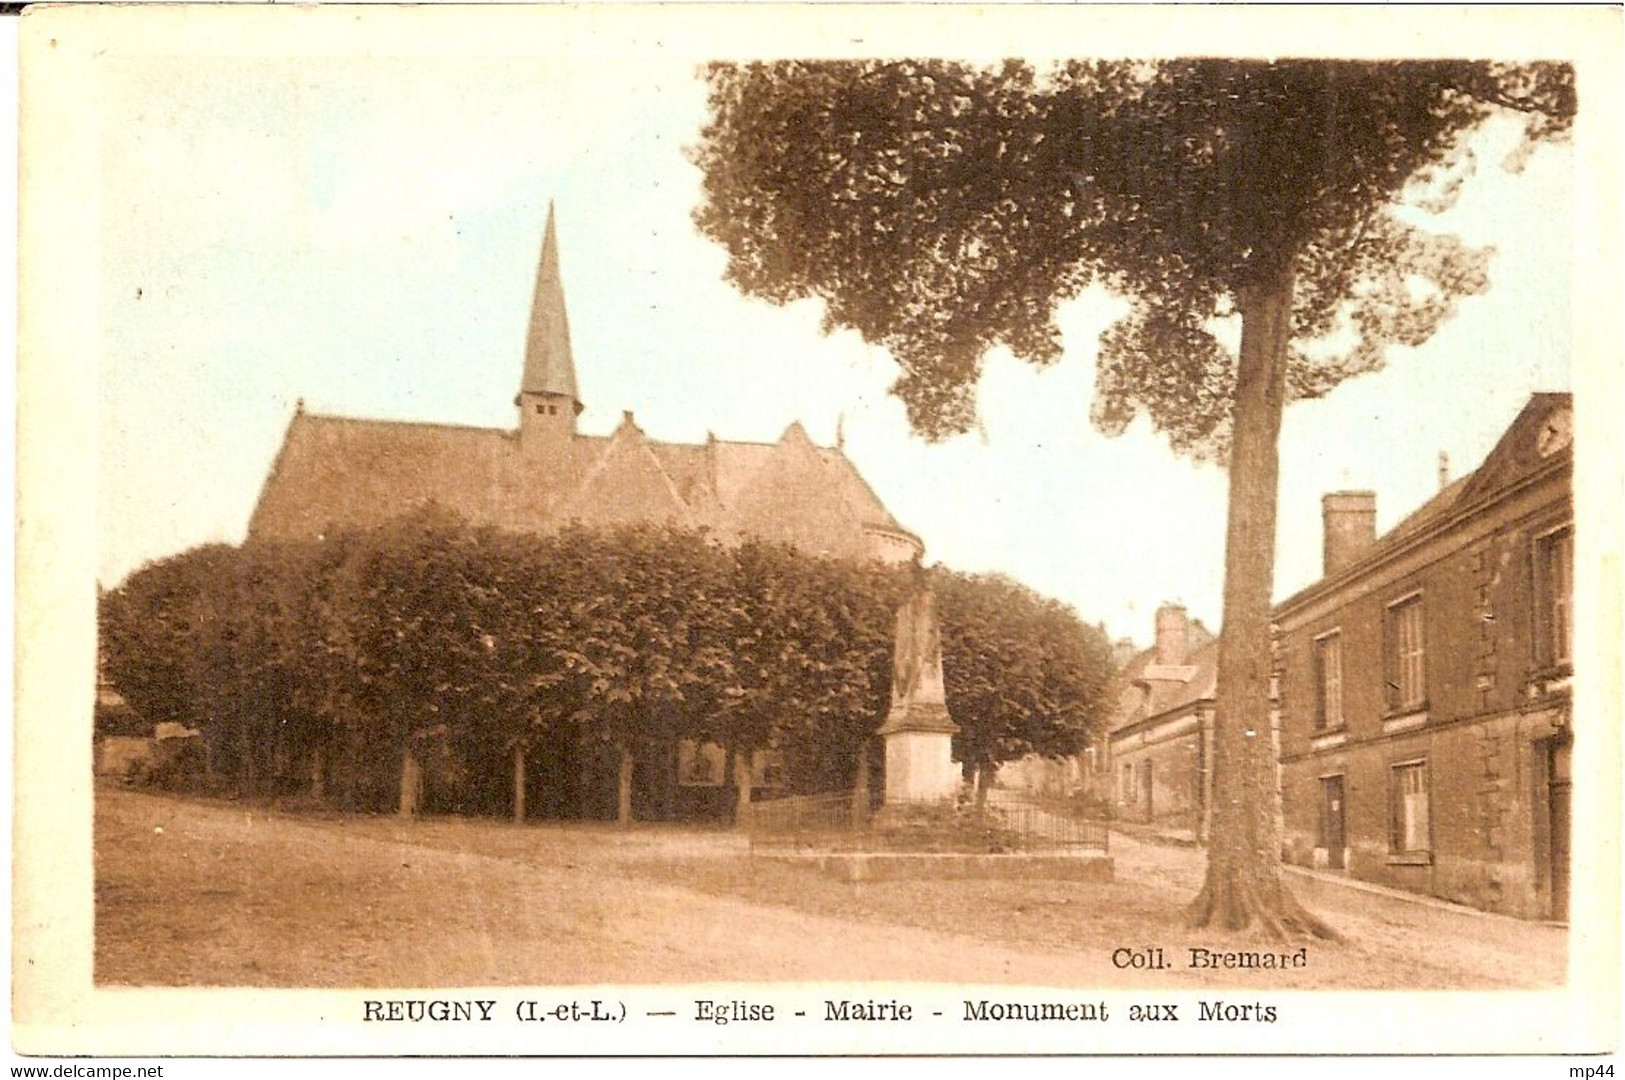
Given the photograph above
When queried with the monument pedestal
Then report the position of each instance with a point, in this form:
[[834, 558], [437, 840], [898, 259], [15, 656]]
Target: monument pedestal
[[919, 753], [918, 731]]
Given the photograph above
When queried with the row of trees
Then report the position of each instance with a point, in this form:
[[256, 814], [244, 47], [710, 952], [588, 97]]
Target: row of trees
[[346, 668]]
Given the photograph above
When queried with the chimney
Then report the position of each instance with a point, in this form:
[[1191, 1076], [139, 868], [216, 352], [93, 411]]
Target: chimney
[[1444, 470], [1122, 652], [1350, 523], [1172, 635]]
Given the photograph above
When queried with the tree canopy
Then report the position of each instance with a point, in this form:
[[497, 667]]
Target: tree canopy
[[942, 209], [348, 657], [1023, 674]]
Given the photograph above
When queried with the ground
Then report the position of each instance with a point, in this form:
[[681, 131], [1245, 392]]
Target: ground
[[190, 892]]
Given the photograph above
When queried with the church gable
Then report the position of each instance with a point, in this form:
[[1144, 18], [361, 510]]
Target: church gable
[[626, 486], [692, 470], [795, 496]]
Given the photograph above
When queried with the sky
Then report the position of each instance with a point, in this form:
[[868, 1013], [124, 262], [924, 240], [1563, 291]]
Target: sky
[[361, 232]]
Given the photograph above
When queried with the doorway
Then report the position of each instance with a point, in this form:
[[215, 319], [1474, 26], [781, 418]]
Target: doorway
[[1333, 836], [1559, 766]]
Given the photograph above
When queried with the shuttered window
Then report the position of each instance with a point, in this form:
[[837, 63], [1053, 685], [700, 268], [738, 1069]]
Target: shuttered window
[[1329, 682], [1554, 596], [1407, 656]]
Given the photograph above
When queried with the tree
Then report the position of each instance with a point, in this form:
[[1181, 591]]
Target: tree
[[523, 692], [409, 620], [146, 634], [943, 209], [642, 637], [829, 664], [1025, 676], [151, 633]]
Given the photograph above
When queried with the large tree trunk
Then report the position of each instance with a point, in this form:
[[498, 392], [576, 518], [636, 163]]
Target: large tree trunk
[[984, 780], [519, 783], [742, 783], [411, 783], [623, 793], [860, 788], [1243, 884]]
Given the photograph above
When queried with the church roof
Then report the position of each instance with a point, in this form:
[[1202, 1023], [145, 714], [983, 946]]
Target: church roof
[[337, 471], [550, 367], [343, 471]]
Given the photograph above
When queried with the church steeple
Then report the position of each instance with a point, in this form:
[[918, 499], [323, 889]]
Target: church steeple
[[548, 401]]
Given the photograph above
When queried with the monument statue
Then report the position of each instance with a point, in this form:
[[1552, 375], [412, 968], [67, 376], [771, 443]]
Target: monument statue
[[917, 656], [918, 730]]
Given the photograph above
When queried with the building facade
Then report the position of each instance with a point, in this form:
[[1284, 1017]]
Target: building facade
[[1424, 684], [1159, 744]]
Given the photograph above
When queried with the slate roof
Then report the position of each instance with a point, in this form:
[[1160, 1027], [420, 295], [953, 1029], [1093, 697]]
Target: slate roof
[[338, 470], [1515, 457], [1149, 690], [550, 366], [334, 470]]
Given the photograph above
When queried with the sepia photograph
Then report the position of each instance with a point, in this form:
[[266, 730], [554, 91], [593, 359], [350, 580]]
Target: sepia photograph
[[817, 529]]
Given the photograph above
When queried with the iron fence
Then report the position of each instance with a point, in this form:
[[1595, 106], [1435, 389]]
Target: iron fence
[[837, 822]]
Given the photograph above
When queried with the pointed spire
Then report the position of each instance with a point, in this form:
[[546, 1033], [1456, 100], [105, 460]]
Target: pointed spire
[[549, 365]]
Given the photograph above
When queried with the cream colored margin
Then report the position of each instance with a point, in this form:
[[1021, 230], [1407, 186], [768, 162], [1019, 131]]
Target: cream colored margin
[[56, 1009]]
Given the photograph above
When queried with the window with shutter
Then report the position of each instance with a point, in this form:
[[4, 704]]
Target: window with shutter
[[1406, 661], [1554, 597], [1329, 682]]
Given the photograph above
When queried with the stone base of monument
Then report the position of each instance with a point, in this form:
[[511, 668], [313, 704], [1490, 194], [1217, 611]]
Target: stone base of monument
[[864, 866], [920, 764], [925, 839]]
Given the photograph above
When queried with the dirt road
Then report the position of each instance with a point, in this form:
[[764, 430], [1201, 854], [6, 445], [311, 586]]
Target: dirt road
[[199, 893]]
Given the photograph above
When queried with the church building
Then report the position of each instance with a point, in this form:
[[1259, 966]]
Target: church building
[[544, 474]]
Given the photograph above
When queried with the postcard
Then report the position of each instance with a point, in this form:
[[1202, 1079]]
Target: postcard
[[817, 529]]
